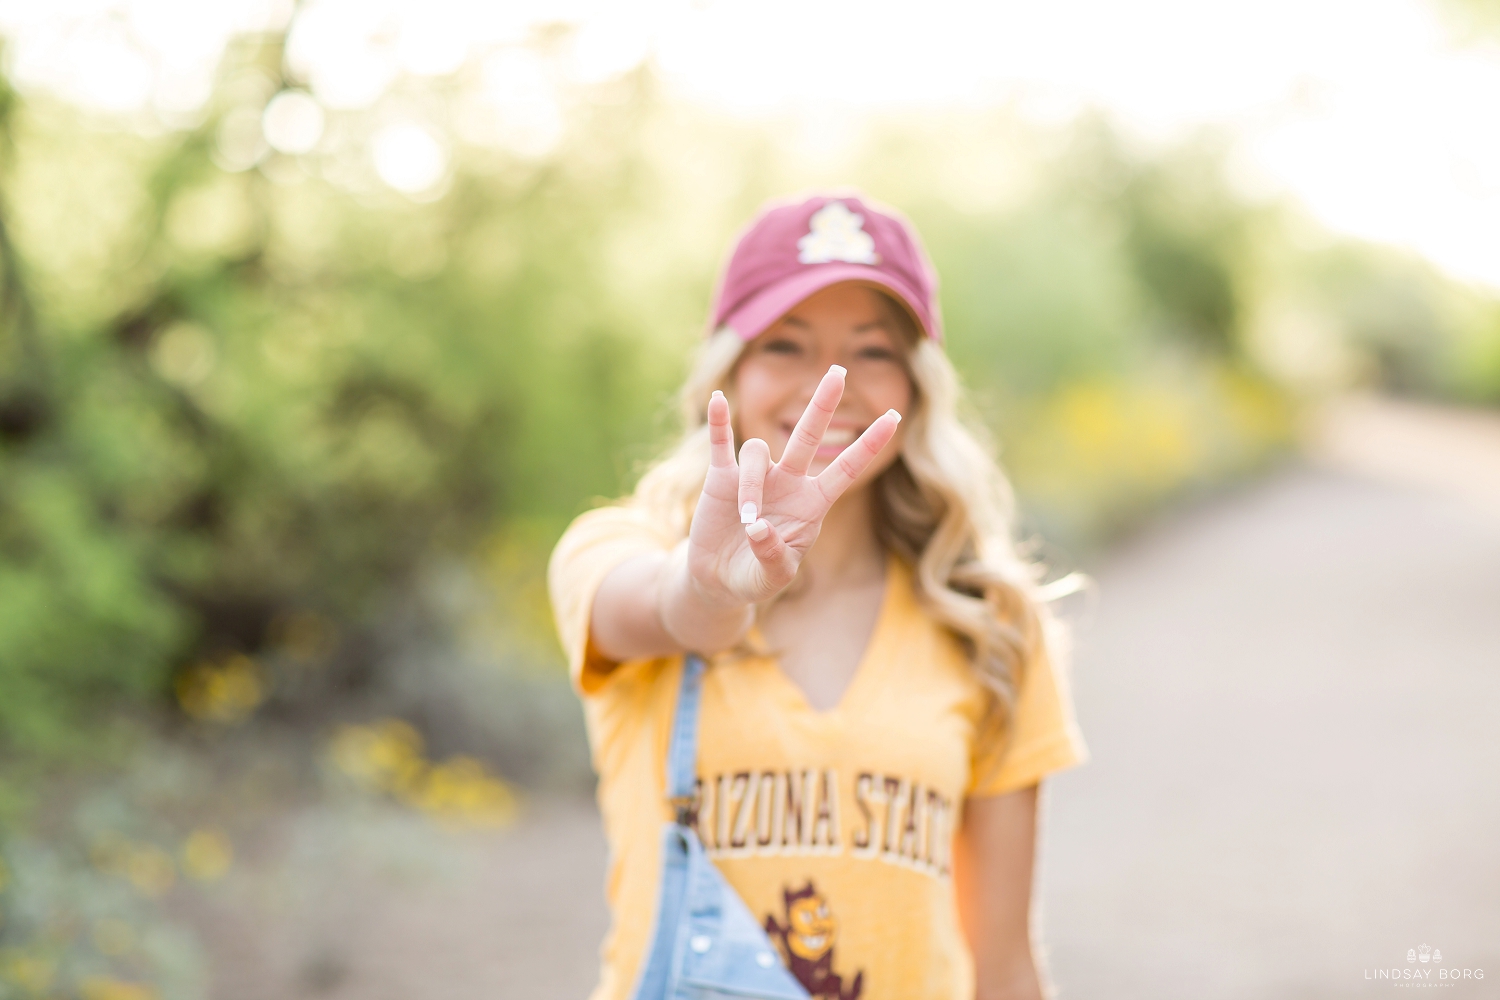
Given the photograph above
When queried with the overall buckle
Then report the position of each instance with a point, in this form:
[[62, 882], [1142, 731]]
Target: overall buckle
[[683, 806]]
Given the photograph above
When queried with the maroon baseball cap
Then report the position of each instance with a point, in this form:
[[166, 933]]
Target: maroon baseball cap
[[791, 251]]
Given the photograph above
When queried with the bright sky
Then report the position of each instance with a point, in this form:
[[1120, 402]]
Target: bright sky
[[1371, 112]]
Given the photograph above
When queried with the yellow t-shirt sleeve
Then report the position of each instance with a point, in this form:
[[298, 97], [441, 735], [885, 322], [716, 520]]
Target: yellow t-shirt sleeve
[[1042, 737], [594, 544]]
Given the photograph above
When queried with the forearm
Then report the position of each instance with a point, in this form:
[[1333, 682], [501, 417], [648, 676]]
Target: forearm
[[993, 860], [1016, 980], [1005, 967], [650, 606]]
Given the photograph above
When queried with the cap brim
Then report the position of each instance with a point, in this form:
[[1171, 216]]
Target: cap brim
[[770, 304]]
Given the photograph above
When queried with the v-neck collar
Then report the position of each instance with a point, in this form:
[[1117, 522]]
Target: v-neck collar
[[875, 652]]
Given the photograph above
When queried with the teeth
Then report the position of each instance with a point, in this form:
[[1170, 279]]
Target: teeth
[[839, 436]]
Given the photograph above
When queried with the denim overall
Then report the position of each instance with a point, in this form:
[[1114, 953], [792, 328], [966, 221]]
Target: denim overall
[[706, 943]]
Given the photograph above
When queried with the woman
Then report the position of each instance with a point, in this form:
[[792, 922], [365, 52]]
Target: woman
[[880, 704]]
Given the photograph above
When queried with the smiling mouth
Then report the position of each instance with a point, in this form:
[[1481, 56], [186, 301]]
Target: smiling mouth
[[838, 437], [835, 439]]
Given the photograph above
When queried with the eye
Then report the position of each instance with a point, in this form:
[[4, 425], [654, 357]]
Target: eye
[[781, 345], [877, 353]]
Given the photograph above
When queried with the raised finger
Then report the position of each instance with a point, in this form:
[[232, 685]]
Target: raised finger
[[720, 433], [755, 460], [853, 460], [808, 433]]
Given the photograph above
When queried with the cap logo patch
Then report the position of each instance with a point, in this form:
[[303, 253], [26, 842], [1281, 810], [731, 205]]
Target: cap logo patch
[[835, 233]]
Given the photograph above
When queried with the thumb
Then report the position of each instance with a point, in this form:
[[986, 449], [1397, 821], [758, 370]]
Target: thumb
[[775, 558]]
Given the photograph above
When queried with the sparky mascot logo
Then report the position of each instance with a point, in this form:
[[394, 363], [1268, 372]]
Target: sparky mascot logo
[[806, 941]]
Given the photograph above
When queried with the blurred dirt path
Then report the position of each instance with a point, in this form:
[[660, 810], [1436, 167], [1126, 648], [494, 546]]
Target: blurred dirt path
[[1290, 695], [370, 903]]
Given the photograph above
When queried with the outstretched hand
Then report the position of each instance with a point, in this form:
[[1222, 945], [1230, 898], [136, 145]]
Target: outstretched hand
[[756, 519]]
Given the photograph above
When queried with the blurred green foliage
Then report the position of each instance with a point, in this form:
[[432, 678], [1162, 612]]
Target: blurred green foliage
[[248, 417], [1475, 19]]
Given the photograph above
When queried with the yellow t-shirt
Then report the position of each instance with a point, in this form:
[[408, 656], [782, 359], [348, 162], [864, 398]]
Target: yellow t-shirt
[[834, 827]]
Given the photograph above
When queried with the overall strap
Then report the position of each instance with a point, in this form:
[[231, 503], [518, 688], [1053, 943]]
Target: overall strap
[[682, 752]]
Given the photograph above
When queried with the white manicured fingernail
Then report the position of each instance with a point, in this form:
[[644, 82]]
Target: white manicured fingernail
[[757, 530], [894, 414], [838, 368], [748, 513]]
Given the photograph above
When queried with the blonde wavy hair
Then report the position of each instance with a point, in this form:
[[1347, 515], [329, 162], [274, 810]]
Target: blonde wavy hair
[[944, 505]]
